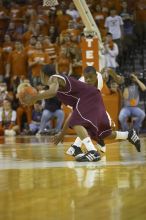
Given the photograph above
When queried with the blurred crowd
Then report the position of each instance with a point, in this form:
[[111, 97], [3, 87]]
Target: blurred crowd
[[32, 35]]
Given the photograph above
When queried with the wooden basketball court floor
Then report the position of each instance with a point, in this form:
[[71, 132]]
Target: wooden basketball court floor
[[38, 181]]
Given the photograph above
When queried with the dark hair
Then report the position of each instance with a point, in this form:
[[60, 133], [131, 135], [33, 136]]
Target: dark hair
[[90, 69], [49, 69]]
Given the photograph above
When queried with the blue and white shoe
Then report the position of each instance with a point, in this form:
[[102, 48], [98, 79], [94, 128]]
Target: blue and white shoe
[[75, 151], [134, 139], [90, 156]]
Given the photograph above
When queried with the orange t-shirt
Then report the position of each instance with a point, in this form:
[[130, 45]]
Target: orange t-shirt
[[26, 37], [63, 64], [51, 50], [37, 67], [18, 63], [29, 50], [62, 22], [7, 49]]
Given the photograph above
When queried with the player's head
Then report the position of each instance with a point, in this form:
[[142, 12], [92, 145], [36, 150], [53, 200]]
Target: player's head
[[47, 71], [90, 75]]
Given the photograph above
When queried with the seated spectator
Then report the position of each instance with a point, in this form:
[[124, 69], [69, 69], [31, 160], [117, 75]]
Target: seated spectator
[[51, 110], [8, 125], [34, 126], [131, 101]]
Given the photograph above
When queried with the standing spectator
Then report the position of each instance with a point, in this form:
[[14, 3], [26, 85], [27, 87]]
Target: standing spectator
[[62, 18], [99, 17], [128, 30], [63, 62], [7, 48], [110, 51], [36, 61], [17, 63], [114, 25], [50, 48], [72, 11]]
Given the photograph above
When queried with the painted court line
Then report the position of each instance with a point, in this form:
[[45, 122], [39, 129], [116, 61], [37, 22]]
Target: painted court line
[[10, 164]]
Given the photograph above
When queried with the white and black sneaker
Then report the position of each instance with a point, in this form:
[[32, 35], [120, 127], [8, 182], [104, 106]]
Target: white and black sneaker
[[101, 145], [90, 156], [75, 151], [134, 139]]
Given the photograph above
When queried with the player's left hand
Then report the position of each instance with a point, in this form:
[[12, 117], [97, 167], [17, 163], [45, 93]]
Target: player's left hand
[[58, 138]]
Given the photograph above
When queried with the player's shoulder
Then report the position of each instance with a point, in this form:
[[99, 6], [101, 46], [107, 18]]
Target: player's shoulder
[[58, 79]]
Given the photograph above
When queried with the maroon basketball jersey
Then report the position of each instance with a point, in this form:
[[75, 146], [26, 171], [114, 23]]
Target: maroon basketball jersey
[[88, 107]]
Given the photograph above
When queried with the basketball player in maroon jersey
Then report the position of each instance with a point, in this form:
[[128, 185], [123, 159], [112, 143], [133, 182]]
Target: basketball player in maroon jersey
[[89, 118]]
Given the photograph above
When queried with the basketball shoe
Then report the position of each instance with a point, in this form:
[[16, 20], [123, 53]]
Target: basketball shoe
[[75, 151], [90, 156], [101, 145], [134, 139]]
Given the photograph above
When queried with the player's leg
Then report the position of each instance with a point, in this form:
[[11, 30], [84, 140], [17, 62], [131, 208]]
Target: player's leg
[[92, 154], [130, 135], [75, 149]]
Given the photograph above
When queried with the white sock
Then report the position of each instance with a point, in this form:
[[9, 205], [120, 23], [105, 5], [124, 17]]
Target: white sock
[[78, 142], [88, 144], [121, 135]]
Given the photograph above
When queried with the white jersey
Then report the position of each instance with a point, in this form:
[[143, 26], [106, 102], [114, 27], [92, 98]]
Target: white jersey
[[99, 78]]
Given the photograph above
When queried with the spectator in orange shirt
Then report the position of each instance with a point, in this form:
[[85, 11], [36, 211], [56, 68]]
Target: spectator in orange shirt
[[7, 47], [33, 30], [30, 48], [50, 48], [62, 18], [53, 34], [11, 30], [36, 61], [17, 63], [99, 18], [63, 62], [4, 20]]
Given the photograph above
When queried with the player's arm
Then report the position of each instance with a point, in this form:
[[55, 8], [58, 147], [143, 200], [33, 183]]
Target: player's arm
[[59, 137], [47, 94], [51, 92], [139, 82]]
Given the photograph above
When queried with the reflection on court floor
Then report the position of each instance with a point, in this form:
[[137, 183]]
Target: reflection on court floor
[[39, 181]]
